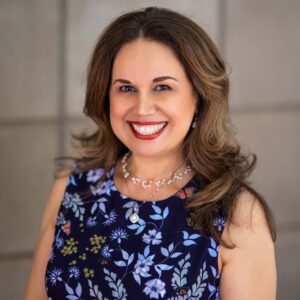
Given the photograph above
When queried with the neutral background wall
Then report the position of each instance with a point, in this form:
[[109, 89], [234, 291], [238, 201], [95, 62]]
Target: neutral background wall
[[44, 50]]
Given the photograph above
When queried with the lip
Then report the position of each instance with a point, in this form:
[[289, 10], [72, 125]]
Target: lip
[[141, 123], [150, 136]]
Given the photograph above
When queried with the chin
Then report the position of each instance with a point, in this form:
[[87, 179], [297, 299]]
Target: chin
[[146, 151], [152, 150]]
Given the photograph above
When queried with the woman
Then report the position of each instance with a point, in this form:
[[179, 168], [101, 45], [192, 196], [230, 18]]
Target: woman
[[157, 206]]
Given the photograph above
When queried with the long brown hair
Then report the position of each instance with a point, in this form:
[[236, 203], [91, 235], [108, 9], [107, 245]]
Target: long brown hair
[[210, 148]]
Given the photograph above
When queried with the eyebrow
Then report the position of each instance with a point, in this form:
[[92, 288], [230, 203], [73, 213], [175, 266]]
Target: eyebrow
[[157, 79]]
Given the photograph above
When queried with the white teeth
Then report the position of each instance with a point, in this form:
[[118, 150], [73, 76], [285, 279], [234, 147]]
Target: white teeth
[[148, 129]]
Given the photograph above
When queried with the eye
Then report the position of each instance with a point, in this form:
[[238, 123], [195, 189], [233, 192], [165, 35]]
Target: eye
[[162, 87], [126, 89]]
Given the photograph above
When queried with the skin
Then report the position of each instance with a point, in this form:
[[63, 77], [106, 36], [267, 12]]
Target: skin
[[248, 271], [142, 91], [150, 84]]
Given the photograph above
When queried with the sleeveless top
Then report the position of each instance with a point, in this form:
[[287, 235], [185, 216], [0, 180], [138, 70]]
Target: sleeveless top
[[98, 253]]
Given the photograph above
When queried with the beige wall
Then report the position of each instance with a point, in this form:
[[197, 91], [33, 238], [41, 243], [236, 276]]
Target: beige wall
[[44, 50]]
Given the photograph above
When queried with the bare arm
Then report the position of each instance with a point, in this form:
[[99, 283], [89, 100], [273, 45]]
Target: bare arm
[[36, 283], [249, 270]]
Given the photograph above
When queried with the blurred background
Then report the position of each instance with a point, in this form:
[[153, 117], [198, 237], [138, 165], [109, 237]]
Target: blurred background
[[44, 50]]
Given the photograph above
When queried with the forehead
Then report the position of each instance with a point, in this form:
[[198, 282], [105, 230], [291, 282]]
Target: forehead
[[147, 59]]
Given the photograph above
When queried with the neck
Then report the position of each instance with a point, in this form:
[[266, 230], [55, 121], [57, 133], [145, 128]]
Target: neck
[[154, 168]]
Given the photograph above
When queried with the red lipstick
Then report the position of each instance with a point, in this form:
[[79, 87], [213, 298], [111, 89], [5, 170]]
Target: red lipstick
[[141, 123], [145, 123]]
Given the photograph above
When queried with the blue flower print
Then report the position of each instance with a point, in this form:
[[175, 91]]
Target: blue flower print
[[110, 257], [106, 187], [214, 292], [153, 237], [54, 276], [100, 203], [116, 285], [142, 266], [119, 234], [94, 175], [94, 291], [219, 222], [91, 222], [60, 220], [74, 272], [130, 205], [59, 242], [155, 288], [74, 202], [159, 214], [189, 239], [73, 294], [110, 219], [213, 251], [72, 180], [110, 173], [105, 251], [139, 226]]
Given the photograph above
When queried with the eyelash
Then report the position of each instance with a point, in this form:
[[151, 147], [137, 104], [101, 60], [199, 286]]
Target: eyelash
[[121, 88]]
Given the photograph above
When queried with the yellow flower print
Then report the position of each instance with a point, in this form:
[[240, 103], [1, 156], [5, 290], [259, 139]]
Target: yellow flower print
[[96, 243], [70, 247], [88, 272]]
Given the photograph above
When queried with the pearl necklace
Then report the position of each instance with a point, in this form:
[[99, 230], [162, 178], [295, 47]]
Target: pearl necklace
[[146, 184]]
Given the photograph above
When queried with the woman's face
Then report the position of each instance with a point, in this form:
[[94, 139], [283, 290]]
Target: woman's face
[[151, 99]]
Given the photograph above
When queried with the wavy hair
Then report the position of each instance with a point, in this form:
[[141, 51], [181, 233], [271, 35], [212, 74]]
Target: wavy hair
[[211, 147]]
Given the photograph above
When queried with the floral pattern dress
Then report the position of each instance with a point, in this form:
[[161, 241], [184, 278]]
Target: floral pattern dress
[[99, 254]]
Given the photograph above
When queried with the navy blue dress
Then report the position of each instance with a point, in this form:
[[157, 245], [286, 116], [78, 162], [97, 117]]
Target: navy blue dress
[[98, 253]]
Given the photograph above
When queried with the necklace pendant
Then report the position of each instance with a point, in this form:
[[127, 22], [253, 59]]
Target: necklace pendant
[[134, 217]]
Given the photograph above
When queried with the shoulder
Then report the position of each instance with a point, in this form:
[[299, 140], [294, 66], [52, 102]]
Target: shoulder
[[61, 180], [246, 267], [248, 222], [248, 212]]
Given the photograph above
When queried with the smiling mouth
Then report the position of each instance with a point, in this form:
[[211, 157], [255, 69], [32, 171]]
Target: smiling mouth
[[147, 129]]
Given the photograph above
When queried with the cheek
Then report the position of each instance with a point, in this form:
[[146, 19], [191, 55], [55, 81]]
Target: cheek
[[117, 117], [114, 120], [182, 114], [117, 111]]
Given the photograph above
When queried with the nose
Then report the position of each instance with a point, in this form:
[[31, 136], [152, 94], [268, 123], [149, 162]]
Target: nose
[[144, 104]]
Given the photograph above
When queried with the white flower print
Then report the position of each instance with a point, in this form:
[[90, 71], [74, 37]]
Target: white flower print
[[105, 251], [74, 272], [153, 237], [94, 175], [54, 276], [155, 288], [119, 234], [110, 219]]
